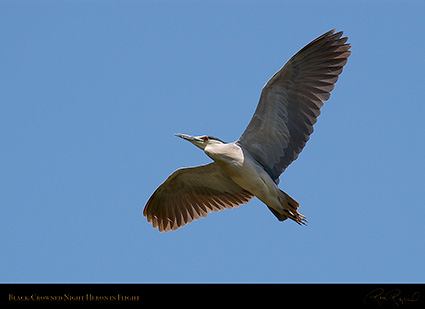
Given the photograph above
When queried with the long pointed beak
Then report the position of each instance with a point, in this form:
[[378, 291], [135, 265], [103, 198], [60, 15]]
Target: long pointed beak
[[197, 141], [186, 137]]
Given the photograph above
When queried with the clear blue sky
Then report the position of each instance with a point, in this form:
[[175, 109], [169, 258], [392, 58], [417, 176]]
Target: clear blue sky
[[91, 93]]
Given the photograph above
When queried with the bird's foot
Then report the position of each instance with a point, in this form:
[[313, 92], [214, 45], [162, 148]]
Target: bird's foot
[[296, 216]]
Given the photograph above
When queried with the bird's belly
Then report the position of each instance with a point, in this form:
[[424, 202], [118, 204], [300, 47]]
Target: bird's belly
[[252, 178]]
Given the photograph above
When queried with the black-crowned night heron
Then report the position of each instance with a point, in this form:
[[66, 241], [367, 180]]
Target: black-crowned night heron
[[289, 105]]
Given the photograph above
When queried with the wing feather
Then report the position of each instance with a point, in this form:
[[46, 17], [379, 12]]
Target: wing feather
[[191, 193], [290, 103]]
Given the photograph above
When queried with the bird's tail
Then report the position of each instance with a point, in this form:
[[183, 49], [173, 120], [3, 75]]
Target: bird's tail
[[290, 207]]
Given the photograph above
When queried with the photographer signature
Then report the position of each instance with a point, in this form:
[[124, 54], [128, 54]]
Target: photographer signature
[[380, 296]]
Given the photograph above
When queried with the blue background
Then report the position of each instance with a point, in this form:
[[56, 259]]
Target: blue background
[[93, 91]]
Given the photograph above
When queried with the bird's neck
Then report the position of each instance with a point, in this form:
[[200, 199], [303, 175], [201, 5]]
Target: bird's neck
[[225, 153]]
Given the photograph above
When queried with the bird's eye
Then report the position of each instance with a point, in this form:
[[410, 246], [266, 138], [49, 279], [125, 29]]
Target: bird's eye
[[206, 138]]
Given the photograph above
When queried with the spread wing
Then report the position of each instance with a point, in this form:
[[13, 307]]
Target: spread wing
[[290, 103], [191, 193]]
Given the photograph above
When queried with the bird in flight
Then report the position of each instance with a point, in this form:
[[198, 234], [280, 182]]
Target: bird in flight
[[289, 105]]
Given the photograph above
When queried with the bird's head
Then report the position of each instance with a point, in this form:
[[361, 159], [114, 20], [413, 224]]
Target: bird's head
[[201, 141]]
